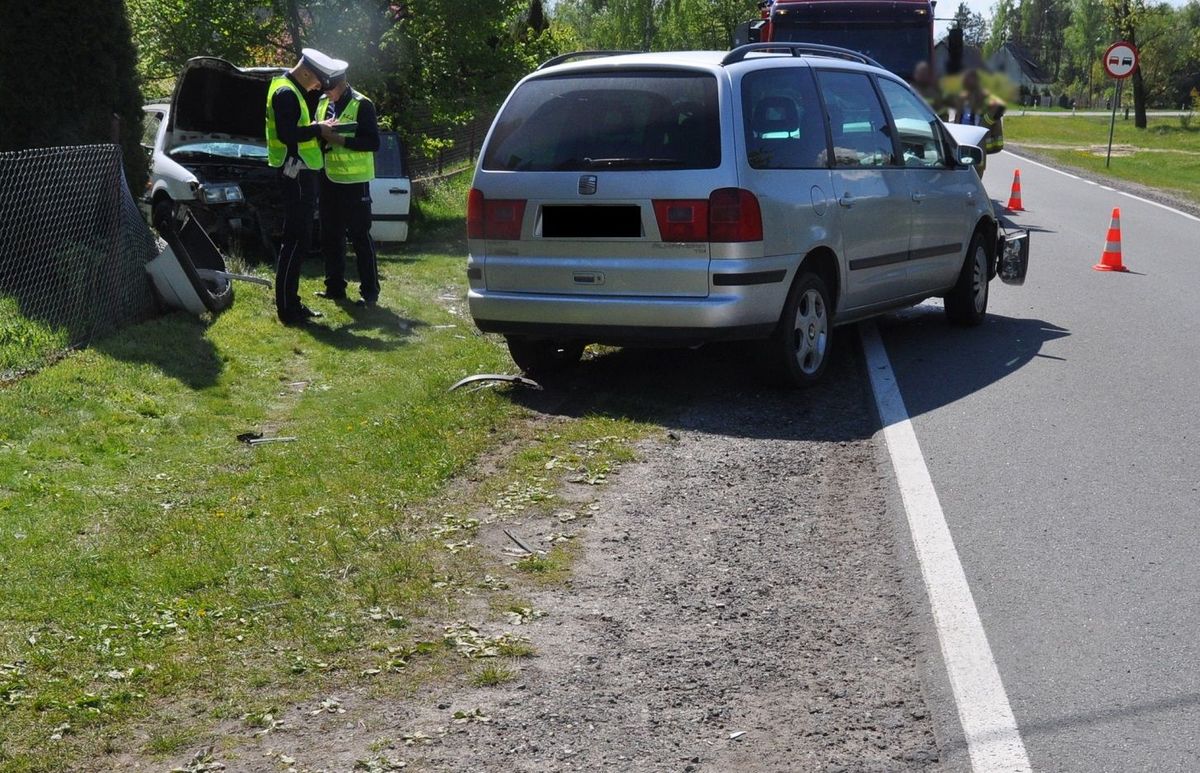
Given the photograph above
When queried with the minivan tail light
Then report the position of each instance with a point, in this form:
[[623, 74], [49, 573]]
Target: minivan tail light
[[682, 220], [475, 214], [734, 216], [494, 218]]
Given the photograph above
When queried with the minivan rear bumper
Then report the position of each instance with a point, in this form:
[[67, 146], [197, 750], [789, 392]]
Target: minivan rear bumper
[[728, 313]]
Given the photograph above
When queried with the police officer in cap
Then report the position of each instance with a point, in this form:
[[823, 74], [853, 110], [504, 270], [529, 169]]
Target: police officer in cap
[[345, 188], [293, 147]]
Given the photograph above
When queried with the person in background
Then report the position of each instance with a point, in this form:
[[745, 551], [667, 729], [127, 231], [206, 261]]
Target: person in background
[[346, 189], [930, 90], [293, 147], [978, 107]]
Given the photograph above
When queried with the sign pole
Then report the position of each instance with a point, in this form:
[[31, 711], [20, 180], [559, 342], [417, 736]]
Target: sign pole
[[1112, 124], [1120, 60]]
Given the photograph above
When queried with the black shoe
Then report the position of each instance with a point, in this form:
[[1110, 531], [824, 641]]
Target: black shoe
[[307, 313], [293, 320], [331, 296], [369, 303]]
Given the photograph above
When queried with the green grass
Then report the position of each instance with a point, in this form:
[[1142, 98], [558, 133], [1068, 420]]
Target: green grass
[[156, 572], [1166, 154], [492, 674], [25, 343]]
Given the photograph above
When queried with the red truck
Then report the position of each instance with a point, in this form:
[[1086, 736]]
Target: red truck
[[896, 33]]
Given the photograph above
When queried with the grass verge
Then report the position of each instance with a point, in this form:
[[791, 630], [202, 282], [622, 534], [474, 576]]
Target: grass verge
[[159, 573], [1165, 155]]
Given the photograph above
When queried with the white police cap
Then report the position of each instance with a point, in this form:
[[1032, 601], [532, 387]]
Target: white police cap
[[325, 66]]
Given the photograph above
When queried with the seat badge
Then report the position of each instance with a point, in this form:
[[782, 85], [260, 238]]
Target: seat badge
[[587, 184]]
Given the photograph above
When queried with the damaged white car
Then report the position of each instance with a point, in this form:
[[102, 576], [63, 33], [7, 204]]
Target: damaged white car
[[208, 156]]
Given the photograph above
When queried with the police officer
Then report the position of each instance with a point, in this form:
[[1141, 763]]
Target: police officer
[[345, 188], [293, 147]]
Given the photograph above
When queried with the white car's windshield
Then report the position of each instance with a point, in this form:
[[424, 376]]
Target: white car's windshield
[[222, 150]]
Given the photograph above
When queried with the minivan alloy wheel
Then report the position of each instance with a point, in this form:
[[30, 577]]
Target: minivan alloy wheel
[[979, 279], [966, 302], [810, 336]]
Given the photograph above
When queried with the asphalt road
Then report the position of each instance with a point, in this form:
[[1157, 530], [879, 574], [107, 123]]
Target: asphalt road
[[1061, 439]]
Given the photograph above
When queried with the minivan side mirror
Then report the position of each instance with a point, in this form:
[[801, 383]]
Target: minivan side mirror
[[970, 155]]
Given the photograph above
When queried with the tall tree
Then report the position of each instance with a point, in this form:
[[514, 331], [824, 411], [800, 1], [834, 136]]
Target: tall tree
[[78, 57], [1128, 17], [654, 24], [1084, 40], [973, 25], [169, 32], [1005, 26]]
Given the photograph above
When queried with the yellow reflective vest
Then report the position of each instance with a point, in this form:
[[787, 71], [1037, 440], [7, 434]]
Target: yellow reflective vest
[[309, 150], [343, 165]]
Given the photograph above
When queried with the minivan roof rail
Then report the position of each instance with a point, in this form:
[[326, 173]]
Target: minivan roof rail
[[799, 49], [564, 58]]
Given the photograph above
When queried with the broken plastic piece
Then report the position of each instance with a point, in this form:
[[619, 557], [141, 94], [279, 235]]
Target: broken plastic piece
[[518, 380], [520, 543]]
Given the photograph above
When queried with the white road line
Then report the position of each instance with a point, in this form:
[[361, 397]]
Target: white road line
[[1181, 213], [993, 741]]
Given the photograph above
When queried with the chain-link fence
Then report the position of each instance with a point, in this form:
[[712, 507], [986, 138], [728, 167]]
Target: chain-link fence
[[73, 250], [450, 148]]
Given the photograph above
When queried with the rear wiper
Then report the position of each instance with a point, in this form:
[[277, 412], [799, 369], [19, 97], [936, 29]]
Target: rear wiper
[[614, 163]]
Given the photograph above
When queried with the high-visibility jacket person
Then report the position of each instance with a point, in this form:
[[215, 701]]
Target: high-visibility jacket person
[[349, 167], [294, 149]]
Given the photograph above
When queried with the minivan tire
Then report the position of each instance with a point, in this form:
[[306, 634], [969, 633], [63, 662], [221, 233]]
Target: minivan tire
[[800, 347], [542, 356], [966, 303]]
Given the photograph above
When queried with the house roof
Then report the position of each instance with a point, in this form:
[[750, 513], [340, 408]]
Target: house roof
[[1024, 59], [972, 55]]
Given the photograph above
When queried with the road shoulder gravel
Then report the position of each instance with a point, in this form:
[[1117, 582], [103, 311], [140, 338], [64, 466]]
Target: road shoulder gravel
[[737, 606]]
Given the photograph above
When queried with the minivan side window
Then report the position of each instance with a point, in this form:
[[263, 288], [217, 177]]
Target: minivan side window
[[781, 118], [623, 120], [861, 136], [916, 126]]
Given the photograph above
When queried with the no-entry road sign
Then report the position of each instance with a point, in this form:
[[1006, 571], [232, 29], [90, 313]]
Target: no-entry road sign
[[1121, 59]]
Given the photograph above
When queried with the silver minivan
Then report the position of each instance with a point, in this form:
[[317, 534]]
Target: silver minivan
[[767, 193]]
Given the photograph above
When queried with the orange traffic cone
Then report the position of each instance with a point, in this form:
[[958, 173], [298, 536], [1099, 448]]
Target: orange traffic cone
[[1110, 259], [1014, 199]]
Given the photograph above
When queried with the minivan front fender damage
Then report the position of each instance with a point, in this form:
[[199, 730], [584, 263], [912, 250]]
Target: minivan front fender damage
[[990, 230]]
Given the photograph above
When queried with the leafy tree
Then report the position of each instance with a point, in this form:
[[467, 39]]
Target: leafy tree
[[169, 32], [702, 24], [425, 63], [1084, 40], [654, 24], [1128, 18], [1005, 26], [974, 26], [78, 57]]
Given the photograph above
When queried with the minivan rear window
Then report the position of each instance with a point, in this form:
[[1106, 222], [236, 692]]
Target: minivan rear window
[[616, 121]]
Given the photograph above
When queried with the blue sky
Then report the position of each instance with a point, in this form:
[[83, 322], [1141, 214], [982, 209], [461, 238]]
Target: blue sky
[[947, 8]]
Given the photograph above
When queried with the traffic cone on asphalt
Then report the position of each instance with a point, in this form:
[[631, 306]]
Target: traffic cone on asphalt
[[1110, 259], [1014, 199]]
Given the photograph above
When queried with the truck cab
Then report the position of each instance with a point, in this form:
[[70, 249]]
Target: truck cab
[[896, 33]]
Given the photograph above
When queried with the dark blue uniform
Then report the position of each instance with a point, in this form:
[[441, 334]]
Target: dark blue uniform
[[346, 210]]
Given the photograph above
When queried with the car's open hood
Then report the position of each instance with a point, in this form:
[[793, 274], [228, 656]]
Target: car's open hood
[[963, 134], [216, 101]]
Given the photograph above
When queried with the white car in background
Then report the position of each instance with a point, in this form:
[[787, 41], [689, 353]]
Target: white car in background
[[208, 156]]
